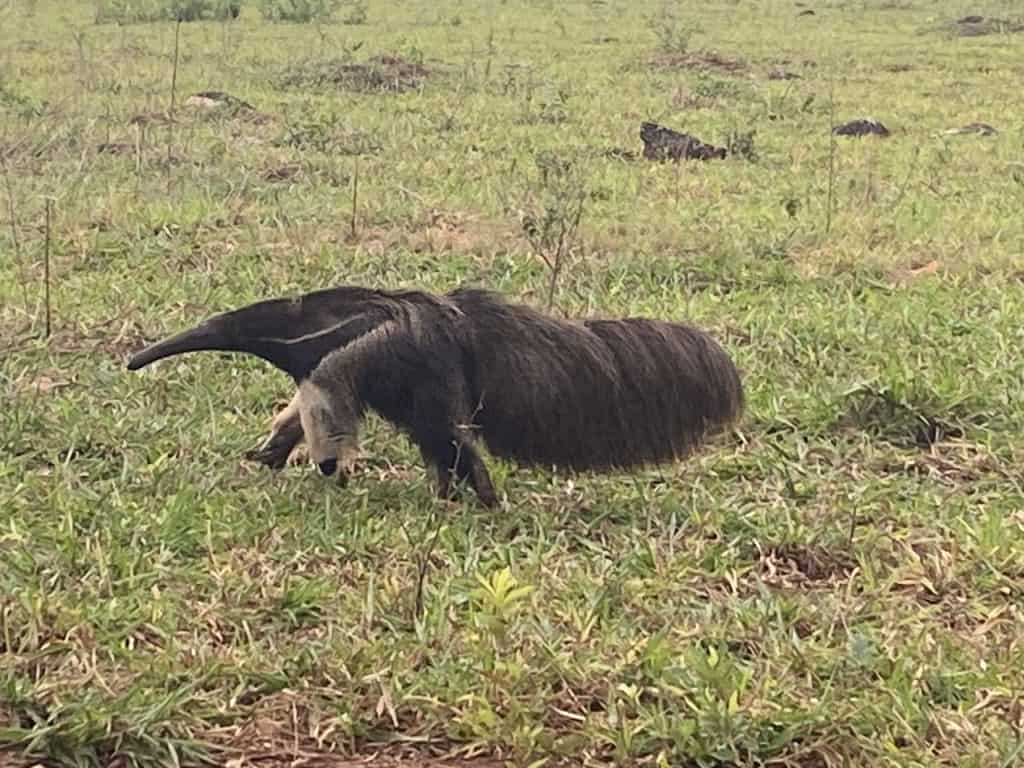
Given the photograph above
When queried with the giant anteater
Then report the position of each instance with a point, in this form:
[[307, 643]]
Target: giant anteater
[[596, 394]]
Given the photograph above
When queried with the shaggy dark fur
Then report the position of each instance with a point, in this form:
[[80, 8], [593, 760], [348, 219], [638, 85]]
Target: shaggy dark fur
[[589, 395], [596, 394]]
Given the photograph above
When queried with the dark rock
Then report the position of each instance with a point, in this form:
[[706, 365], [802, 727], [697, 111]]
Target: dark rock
[[981, 129], [215, 99], [861, 127], [665, 144]]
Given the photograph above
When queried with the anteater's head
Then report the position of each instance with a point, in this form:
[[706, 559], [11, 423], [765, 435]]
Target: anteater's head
[[331, 428]]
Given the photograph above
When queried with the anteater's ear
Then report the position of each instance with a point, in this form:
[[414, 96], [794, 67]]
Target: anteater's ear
[[291, 334]]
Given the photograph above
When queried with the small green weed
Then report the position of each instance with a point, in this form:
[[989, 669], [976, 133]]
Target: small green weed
[[136, 11], [671, 32], [300, 11]]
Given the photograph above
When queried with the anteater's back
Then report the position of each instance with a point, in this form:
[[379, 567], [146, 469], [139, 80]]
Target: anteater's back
[[593, 395]]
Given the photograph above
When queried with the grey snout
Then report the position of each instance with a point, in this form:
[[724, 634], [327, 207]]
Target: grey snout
[[328, 467]]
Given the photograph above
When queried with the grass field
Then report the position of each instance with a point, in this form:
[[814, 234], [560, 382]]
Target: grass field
[[838, 583]]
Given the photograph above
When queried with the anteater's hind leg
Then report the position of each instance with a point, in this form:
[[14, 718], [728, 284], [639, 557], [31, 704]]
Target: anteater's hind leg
[[285, 435]]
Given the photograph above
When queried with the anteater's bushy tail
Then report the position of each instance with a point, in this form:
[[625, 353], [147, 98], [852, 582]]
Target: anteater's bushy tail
[[602, 394]]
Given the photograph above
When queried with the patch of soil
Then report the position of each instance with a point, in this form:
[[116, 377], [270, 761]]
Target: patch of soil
[[793, 565], [221, 103], [702, 61], [88, 449], [438, 231], [454, 231], [115, 148], [906, 425], [328, 137], [279, 732], [287, 758], [918, 269], [666, 144], [381, 74], [216, 100], [861, 127], [8, 150], [616, 153], [153, 156], [118, 343], [282, 173], [44, 384], [447, 233], [951, 464], [979, 26], [151, 118], [8, 757]]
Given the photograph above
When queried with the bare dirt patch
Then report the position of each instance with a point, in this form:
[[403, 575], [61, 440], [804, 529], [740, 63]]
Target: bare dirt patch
[[797, 565], [221, 104], [881, 414], [144, 119], [217, 100], [440, 231], [283, 173], [783, 74], [282, 759], [327, 136], [291, 757], [978, 26], [701, 61], [298, 173], [30, 152], [117, 339], [951, 464], [8, 757], [381, 74], [616, 153], [452, 232], [286, 729], [115, 148]]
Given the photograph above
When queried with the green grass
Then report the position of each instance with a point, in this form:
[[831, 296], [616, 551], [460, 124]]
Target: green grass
[[822, 588]]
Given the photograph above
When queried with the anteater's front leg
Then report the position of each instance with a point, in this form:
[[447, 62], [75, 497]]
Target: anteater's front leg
[[455, 458], [470, 466], [285, 434]]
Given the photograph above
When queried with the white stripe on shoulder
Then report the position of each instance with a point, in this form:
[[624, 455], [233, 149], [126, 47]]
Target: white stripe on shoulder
[[314, 335]]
